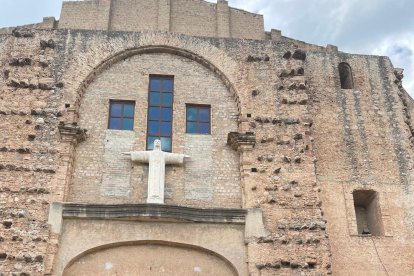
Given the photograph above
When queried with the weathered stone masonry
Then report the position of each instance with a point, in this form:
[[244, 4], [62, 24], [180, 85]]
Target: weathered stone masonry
[[290, 143]]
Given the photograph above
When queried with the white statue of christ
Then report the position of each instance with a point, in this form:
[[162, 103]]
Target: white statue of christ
[[157, 160]]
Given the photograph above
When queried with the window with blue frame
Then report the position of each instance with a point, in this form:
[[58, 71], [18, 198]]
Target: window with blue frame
[[198, 119], [160, 111], [121, 115]]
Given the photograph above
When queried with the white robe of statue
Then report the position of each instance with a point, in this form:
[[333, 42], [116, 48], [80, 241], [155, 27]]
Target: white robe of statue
[[157, 160]]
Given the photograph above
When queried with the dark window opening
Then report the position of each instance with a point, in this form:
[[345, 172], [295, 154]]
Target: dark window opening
[[121, 115], [160, 111], [368, 213], [198, 119], [345, 74]]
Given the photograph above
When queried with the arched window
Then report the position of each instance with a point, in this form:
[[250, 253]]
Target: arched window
[[345, 74]]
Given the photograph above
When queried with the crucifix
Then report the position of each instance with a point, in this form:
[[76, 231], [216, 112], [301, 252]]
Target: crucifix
[[157, 159]]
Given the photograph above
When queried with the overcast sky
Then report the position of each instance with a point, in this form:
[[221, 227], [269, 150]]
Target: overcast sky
[[380, 27]]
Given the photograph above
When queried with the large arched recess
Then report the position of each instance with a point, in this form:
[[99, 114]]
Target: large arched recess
[[95, 184], [149, 258], [108, 62]]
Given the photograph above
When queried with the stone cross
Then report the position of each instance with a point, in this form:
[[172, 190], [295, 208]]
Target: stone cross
[[157, 160]]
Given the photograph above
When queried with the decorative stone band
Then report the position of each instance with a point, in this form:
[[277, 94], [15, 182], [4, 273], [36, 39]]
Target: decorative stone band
[[237, 139], [153, 211]]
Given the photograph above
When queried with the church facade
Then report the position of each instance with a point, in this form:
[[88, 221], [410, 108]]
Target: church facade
[[280, 157]]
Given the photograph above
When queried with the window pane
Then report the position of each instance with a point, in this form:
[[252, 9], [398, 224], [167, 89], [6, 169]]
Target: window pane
[[150, 142], [166, 144], [155, 98], [191, 127], [116, 110], [191, 114], [204, 128], [166, 128], [167, 99], [204, 114], [128, 110], [128, 124], [154, 113], [166, 114], [155, 85], [115, 123], [167, 85], [160, 111], [153, 128]]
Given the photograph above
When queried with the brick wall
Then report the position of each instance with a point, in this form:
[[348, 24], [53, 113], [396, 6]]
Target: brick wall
[[246, 25], [184, 13], [91, 14], [316, 143], [359, 144], [103, 174], [133, 15], [191, 17]]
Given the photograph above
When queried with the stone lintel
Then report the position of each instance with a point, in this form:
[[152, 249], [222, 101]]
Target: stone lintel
[[153, 211], [243, 141], [72, 132]]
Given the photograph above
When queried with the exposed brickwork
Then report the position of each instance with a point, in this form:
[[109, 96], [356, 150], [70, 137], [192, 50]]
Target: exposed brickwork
[[29, 155], [367, 153], [96, 158], [198, 18], [308, 144]]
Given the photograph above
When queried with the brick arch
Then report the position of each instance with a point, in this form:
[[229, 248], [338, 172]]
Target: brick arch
[[143, 243], [108, 62]]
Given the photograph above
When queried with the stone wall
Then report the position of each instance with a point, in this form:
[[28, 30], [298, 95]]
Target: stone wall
[[85, 15], [361, 138], [30, 150], [315, 143], [209, 237], [198, 18], [210, 178], [132, 15]]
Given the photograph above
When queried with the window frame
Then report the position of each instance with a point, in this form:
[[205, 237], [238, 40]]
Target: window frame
[[198, 121], [123, 103], [160, 106]]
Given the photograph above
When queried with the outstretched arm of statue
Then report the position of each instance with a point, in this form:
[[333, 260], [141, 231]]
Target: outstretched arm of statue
[[138, 156], [174, 158]]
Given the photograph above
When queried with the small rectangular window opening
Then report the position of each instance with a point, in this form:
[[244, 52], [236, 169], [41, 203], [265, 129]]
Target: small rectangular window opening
[[368, 213], [198, 119], [345, 75], [121, 115]]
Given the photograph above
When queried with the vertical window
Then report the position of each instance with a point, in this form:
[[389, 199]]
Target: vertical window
[[198, 119], [160, 108], [121, 115], [345, 74], [368, 213]]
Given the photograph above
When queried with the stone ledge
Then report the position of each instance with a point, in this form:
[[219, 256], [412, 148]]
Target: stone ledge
[[236, 140], [153, 211], [72, 132]]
